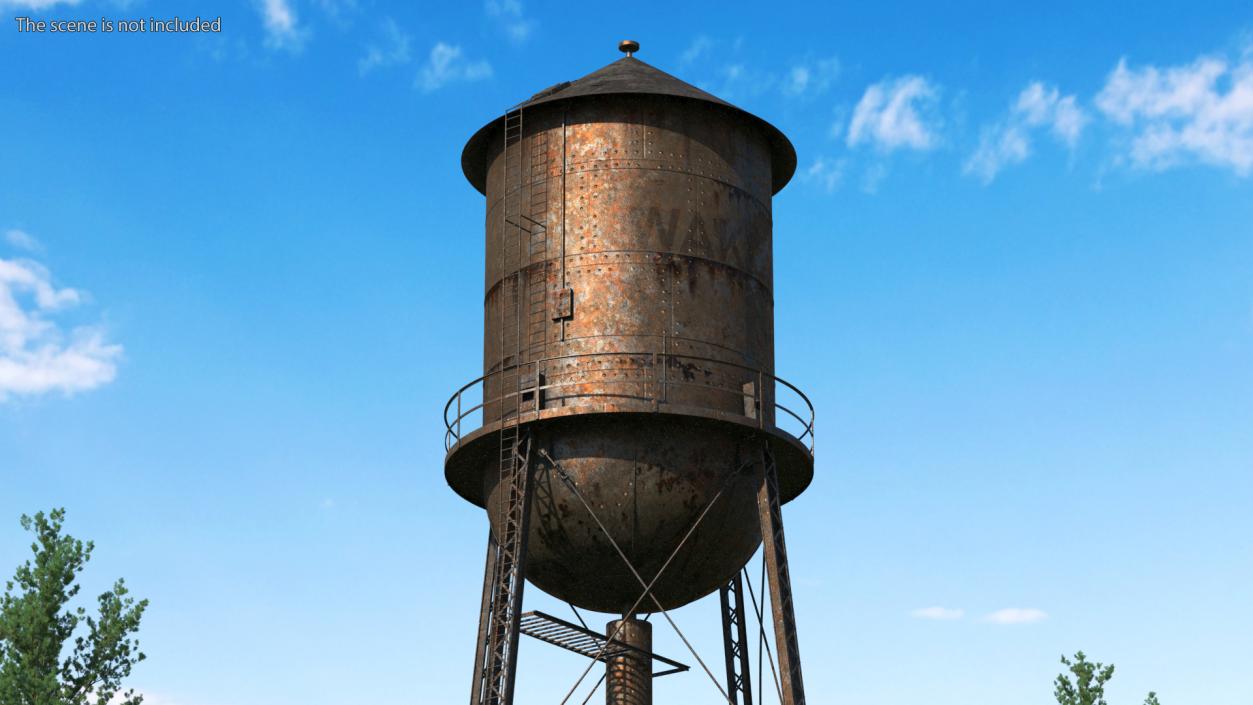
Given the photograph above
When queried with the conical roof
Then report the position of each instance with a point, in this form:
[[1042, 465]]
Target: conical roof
[[627, 75]]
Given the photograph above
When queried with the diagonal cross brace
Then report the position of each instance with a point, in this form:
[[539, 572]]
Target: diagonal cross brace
[[648, 585]]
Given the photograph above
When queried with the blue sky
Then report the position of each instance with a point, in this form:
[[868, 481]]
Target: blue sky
[[240, 274]]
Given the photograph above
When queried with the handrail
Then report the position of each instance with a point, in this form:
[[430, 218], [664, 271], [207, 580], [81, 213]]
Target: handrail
[[653, 389]]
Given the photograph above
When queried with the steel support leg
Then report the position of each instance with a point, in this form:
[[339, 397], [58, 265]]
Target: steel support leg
[[770, 511], [735, 642], [629, 676], [485, 618], [496, 656]]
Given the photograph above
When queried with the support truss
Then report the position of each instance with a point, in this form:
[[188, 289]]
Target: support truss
[[775, 553], [735, 642]]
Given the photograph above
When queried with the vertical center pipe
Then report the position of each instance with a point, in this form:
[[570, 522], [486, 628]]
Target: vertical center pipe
[[629, 676]]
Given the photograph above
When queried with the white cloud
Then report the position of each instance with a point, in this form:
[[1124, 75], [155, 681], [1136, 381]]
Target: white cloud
[[1201, 111], [447, 64], [282, 29], [826, 174], [22, 240], [741, 81], [508, 14], [938, 613], [393, 49], [1040, 106], [811, 78], [337, 9], [895, 114], [695, 51], [34, 4], [36, 355], [1009, 141], [1016, 615], [999, 146]]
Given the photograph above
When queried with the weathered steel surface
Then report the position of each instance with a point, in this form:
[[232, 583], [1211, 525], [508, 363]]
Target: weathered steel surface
[[661, 230], [647, 484], [653, 222], [632, 79], [463, 466], [629, 676]]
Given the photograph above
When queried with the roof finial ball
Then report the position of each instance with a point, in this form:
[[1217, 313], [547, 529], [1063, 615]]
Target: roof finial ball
[[628, 46]]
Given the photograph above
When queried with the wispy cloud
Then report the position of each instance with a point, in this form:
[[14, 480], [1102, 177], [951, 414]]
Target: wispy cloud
[[282, 28], [1044, 106], [699, 47], [1009, 141], [730, 75], [508, 15], [1202, 111], [827, 174], [447, 64], [872, 178], [338, 10], [999, 146], [938, 613], [36, 355], [22, 240], [1016, 615], [811, 78], [391, 49], [896, 114], [742, 80]]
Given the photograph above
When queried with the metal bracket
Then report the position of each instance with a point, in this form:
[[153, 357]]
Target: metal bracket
[[562, 304]]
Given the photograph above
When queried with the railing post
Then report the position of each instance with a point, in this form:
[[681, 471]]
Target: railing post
[[665, 381], [761, 399], [656, 385]]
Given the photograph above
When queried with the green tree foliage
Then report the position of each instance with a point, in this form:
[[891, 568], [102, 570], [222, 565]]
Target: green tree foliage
[[1088, 684], [50, 653], [1085, 683]]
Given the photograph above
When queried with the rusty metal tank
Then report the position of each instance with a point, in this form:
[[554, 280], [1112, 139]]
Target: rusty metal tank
[[629, 322]]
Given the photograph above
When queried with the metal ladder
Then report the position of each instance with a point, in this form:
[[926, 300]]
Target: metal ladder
[[536, 224], [496, 659], [513, 263], [497, 655]]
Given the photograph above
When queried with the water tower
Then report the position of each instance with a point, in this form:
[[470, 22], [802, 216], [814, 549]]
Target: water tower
[[629, 438]]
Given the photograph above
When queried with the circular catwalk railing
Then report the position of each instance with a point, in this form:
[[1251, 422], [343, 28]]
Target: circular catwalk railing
[[653, 381]]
